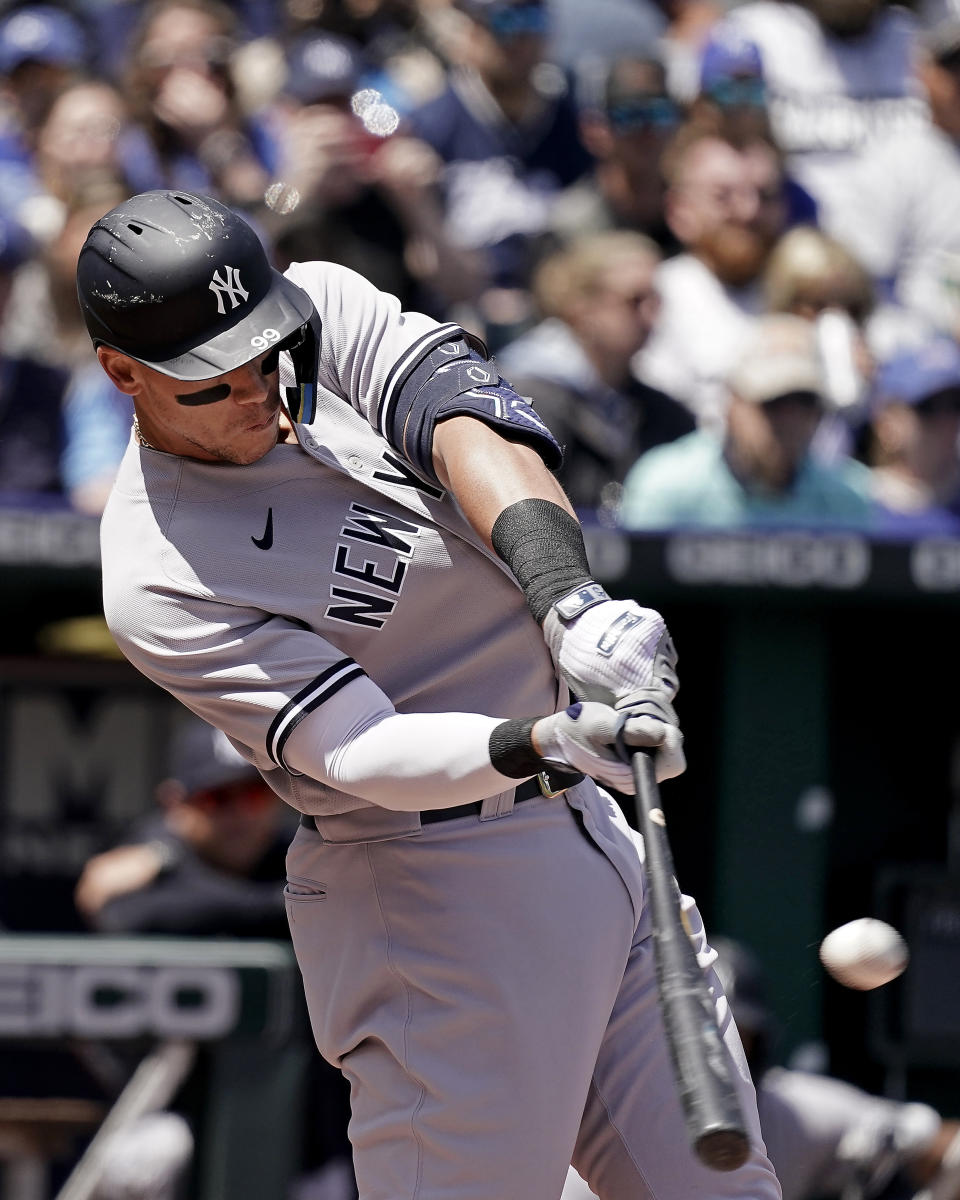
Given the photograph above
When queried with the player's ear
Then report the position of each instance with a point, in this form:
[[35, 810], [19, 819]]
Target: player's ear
[[120, 368]]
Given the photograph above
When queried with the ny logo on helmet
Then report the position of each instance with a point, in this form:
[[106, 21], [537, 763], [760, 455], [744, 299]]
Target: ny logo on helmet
[[230, 287]]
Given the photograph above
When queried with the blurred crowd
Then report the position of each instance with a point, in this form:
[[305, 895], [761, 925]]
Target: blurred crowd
[[715, 242]]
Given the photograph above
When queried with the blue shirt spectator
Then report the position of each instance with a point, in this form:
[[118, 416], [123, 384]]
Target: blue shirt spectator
[[97, 421], [757, 472]]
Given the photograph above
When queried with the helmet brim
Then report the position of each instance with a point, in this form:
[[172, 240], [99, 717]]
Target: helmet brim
[[282, 311]]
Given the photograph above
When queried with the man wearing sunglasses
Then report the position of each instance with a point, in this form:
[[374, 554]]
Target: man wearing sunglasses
[[371, 613], [626, 123], [758, 471]]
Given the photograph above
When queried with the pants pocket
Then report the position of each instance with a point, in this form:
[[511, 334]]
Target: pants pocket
[[300, 890]]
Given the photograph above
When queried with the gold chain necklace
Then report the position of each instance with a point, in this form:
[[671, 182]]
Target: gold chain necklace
[[139, 436]]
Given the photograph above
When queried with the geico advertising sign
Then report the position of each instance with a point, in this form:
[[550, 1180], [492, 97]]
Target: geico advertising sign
[[116, 1001]]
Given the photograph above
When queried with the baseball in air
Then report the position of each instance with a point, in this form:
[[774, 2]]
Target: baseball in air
[[864, 954]]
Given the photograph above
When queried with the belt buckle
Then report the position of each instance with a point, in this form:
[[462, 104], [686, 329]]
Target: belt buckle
[[546, 789]]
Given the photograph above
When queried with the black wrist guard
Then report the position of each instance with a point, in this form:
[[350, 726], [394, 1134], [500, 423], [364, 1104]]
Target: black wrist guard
[[543, 546], [511, 749]]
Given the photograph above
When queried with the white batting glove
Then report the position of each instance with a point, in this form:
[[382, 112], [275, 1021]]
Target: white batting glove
[[617, 653], [584, 737]]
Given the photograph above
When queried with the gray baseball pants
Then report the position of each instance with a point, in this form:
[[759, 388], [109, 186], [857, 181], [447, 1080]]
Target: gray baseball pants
[[487, 987]]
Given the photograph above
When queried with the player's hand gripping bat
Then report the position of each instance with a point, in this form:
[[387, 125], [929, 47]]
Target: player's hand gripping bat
[[715, 1123]]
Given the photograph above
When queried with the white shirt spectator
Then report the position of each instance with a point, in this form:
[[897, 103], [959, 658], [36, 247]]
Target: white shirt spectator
[[901, 222], [698, 336], [831, 98]]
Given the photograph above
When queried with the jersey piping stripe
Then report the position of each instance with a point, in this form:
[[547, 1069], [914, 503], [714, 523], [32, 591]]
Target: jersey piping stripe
[[326, 684], [402, 368]]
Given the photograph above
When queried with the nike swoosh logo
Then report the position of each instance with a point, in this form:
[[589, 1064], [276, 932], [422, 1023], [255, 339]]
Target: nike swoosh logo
[[265, 542]]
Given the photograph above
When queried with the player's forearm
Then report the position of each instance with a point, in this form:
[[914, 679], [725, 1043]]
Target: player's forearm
[[487, 473], [404, 761], [413, 761]]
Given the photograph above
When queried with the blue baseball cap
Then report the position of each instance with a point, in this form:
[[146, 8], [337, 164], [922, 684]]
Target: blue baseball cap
[[912, 375], [41, 34], [729, 56]]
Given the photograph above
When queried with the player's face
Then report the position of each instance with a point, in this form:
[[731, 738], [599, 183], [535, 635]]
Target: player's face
[[231, 418]]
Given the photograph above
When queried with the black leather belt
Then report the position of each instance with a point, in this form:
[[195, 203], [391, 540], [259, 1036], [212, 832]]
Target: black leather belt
[[540, 785]]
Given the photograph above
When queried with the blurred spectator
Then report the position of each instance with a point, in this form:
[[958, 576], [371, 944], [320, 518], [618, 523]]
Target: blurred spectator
[[689, 23], [759, 472], [731, 96], [599, 303], [809, 272], [905, 193], [626, 125], [839, 75], [815, 277], [586, 35], [732, 102], [361, 194], [42, 49], [97, 421], [726, 206], [75, 149], [914, 431], [396, 38], [190, 130], [823, 1136], [93, 425], [31, 432], [507, 129], [44, 290], [210, 861]]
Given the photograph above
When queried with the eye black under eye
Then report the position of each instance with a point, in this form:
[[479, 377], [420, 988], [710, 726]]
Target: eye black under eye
[[210, 395]]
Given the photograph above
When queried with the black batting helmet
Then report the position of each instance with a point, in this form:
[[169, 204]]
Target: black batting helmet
[[183, 284]]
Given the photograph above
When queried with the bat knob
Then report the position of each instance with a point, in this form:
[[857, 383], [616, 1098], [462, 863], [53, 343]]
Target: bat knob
[[723, 1149]]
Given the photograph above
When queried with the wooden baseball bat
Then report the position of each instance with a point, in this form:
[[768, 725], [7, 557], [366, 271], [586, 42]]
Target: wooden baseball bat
[[711, 1106]]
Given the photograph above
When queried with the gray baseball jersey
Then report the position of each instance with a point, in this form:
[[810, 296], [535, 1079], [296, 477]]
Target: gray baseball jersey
[[485, 982], [290, 576]]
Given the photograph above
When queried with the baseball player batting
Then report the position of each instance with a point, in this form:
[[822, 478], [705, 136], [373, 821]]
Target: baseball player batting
[[382, 600]]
